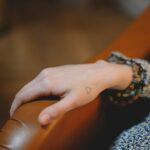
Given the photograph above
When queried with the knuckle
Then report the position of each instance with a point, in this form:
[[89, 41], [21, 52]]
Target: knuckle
[[45, 72], [46, 82]]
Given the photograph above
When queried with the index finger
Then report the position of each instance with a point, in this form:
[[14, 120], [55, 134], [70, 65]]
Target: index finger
[[27, 94]]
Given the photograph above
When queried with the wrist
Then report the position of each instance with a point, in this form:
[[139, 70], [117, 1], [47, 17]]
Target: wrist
[[124, 76], [115, 76]]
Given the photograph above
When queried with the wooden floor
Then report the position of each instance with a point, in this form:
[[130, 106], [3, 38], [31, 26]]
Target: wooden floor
[[41, 36]]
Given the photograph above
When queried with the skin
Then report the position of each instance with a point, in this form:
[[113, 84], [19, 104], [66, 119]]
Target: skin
[[77, 85]]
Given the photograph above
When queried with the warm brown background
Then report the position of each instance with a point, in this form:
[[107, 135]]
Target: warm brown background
[[39, 34]]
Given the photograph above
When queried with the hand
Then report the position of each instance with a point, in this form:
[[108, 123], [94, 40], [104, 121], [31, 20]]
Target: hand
[[77, 85]]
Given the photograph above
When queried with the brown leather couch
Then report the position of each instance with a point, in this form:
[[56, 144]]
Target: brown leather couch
[[93, 126]]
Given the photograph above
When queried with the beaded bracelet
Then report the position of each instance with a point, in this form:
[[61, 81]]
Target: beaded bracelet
[[140, 85]]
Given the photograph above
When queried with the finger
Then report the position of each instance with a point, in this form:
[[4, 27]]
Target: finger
[[17, 102], [58, 109], [31, 83], [28, 94]]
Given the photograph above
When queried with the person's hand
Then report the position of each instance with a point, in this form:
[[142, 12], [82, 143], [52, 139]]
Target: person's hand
[[77, 85]]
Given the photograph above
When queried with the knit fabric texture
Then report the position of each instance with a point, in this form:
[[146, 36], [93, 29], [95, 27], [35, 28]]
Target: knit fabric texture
[[135, 138], [138, 136]]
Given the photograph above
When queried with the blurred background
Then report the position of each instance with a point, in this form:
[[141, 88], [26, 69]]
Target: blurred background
[[35, 34]]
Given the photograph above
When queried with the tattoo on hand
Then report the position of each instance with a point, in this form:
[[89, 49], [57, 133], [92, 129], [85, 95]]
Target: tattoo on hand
[[88, 90]]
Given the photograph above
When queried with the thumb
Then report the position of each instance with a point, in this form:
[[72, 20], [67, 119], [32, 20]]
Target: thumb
[[58, 109]]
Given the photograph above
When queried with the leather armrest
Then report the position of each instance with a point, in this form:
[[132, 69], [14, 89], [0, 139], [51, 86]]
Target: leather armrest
[[72, 131]]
